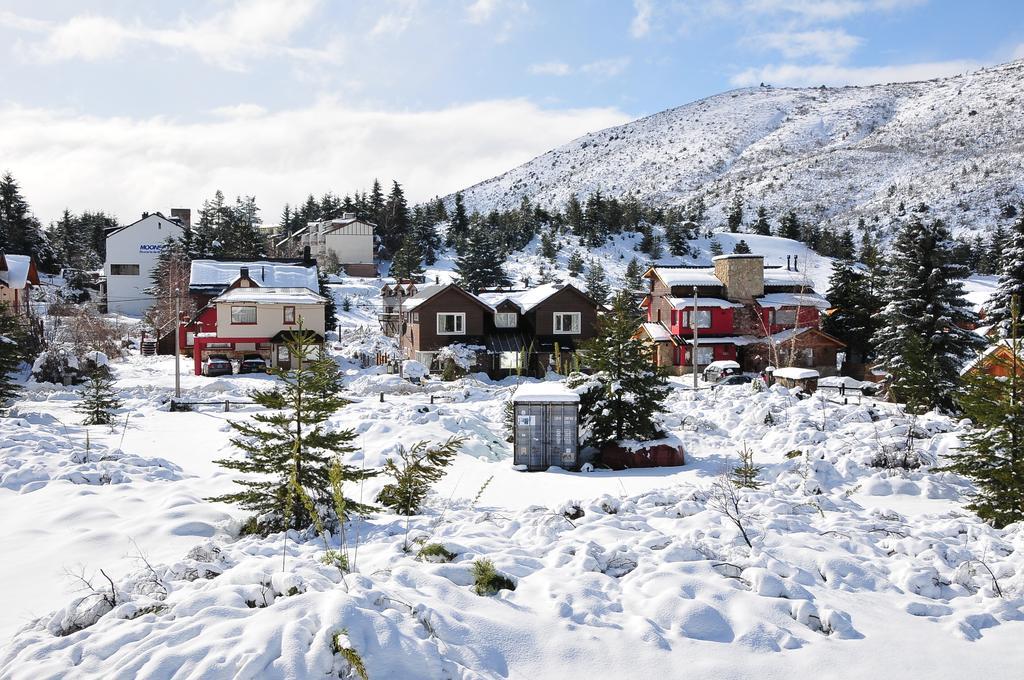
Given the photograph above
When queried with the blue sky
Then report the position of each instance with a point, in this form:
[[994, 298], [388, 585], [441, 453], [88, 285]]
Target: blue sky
[[169, 101]]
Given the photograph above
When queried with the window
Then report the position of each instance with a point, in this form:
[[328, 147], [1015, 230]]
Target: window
[[282, 354], [243, 315], [508, 360], [505, 319], [124, 270], [190, 339], [451, 323], [415, 317], [289, 314], [705, 355], [804, 357], [703, 319], [567, 322], [784, 317]]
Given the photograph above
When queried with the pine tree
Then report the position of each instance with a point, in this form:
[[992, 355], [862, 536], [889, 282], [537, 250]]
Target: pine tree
[[993, 452], [424, 232], [597, 285], [854, 319], [11, 354], [676, 236], [735, 217], [479, 264], [575, 263], [20, 231], [631, 391], [396, 223], [458, 229], [99, 399], [761, 226], [548, 250], [240, 235], [744, 475], [789, 226], [741, 248], [715, 247], [375, 204], [574, 216], [924, 299], [414, 470], [1011, 282], [406, 264], [634, 275], [291, 444], [994, 250], [331, 307]]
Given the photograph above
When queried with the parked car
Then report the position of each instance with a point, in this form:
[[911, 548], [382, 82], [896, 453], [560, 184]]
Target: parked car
[[218, 364], [733, 380], [252, 363]]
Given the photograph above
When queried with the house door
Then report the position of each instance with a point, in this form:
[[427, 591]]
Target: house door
[[284, 358]]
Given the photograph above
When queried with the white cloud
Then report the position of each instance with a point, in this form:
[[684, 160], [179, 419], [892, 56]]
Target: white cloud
[[1018, 52], [606, 68], [480, 11], [641, 24], [155, 163], [832, 74], [395, 21], [550, 68], [826, 10], [827, 45], [227, 38]]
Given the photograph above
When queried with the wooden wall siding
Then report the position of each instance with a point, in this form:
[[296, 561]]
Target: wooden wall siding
[[566, 300], [422, 336]]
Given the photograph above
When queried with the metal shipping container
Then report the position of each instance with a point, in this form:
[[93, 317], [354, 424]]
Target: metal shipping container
[[546, 429]]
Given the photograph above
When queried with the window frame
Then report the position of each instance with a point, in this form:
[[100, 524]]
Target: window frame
[[255, 315], [786, 310], [498, 315], [688, 314], [137, 270], [704, 349], [284, 315], [576, 326], [460, 318]]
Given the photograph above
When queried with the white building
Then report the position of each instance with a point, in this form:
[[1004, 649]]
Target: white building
[[349, 239], [132, 254]]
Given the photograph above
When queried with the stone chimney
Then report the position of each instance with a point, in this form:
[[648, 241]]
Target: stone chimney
[[243, 278], [742, 275], [183, 215]]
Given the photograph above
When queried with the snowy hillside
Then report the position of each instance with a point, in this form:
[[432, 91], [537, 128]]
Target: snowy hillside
[[832, 154], [855, 570]]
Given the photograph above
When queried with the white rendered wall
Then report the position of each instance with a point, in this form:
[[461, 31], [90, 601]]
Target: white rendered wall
[[138, 244]]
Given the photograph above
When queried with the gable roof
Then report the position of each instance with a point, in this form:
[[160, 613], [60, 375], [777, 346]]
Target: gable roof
[[685, 276], [117, 230], [270, 296], [1001, 351], [527, 300], [656, 332], [17, 270], [428, 292], [214, 276]]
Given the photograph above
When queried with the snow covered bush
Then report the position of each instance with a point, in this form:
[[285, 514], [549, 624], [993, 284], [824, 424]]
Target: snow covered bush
[[487, 580], [456, 359], [57, 366]]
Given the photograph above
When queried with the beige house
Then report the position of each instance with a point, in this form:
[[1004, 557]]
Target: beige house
[[261, 321], [348, 241]]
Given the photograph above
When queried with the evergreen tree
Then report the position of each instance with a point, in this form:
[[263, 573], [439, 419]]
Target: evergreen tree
[[1011, 282], [548, 250], [924, 299], [994, 251], [375, 205], [12, 343], [854, 319], [596, 284], [414, 471], [575, 263], [634, 275], [479, 264], [285, 223], [99, 399], [331, 307], [291, 444], [406, 264], [676, 236], [993, 452], [458, 229], [789, 226], [761, 225], [630, 391], [424, 234], [20, 231], [745, 474], [735, 217], [241, 237], [395, 224], [715, 247], [741, 248], [574, 216]]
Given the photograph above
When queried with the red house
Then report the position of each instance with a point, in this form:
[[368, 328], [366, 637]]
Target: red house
[[742, 311]]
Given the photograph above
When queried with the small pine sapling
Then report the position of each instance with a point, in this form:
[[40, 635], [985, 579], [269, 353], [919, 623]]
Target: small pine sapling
[[99, 399], [745, 474], [414, 471], [487, 580]]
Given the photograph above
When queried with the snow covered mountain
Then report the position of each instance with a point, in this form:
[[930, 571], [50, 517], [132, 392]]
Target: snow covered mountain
[[832, 154]]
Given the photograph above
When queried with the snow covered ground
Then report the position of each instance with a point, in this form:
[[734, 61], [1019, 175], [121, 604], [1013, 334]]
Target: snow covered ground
[[855, 571]]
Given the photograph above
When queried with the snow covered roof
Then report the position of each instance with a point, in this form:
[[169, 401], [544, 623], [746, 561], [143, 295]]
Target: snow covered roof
[[271, 296], [427, 292], [687, 302], [794, 373], [786, 277], [776, 300], [738, 340], [677, 276], [217, 275], [656, 331], [722, 364], [18, 270], [543, 392], [526, 300]]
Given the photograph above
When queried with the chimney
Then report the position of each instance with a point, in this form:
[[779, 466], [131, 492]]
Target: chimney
[[795, 268], [183, 215], [243, 274], [742, 275], [306, 256], [145, 215], [787, 263]]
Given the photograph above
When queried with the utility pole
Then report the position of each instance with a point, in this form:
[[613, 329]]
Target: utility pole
[[177, 343], [693, 324]]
